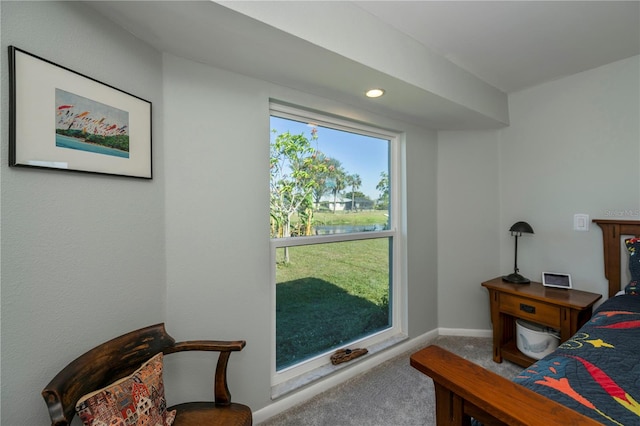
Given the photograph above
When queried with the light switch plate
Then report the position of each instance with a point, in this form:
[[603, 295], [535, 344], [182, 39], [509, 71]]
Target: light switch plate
[[580, 222]]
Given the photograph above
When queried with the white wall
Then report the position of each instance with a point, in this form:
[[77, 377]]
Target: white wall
[[82, 255], [421, 231], [468, 225], [86, 258], [572, 147], [218, 264], [217, 228]]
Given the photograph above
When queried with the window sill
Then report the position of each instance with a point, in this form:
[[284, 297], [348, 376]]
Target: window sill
[[319, 373]]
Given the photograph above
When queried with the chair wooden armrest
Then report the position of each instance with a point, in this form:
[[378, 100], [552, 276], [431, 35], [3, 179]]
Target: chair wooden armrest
[[207, 345], [121, 356], [464, 390], [221, 392]]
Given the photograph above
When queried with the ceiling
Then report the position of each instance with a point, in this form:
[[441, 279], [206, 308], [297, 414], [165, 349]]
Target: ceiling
[[505, 46], [514, 45]]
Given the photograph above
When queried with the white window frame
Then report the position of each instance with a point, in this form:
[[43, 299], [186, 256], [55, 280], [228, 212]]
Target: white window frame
[[311, 366]]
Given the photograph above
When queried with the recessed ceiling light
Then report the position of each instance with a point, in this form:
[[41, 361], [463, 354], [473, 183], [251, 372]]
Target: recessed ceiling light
[[374, 93]]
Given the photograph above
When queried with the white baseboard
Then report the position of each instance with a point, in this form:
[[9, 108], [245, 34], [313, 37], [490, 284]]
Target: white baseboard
[[464, 332]]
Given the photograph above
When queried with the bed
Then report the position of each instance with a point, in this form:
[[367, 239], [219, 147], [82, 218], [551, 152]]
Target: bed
[[592, 378]]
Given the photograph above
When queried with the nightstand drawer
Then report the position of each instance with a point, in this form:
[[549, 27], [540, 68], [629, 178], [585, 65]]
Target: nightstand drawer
[[530, 309]]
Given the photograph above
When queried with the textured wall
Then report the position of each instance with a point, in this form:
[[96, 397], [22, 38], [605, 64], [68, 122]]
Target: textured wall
[[468, 226], [572, 147], [82, 255], [85, 258], [218, 264]]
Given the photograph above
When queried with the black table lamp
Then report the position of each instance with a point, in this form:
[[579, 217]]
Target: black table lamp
[[517, 230]]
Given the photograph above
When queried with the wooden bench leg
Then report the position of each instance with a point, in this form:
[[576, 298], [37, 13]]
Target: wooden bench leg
[[449, 408]]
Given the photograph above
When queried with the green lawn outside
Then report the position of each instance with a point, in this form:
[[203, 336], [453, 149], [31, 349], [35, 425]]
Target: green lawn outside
[[368, 217], [328, 295]]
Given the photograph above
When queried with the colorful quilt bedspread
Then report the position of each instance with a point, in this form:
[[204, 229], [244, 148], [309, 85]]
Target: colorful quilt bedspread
[[597, 371]]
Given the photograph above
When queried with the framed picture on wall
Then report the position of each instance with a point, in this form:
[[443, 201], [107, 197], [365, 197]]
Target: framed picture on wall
[[61, 119]]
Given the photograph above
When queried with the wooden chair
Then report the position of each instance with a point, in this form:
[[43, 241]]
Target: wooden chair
[[121, 356]]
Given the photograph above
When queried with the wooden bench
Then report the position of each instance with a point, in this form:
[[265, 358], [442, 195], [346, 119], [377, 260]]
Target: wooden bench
[[465, 390], [122, 355]]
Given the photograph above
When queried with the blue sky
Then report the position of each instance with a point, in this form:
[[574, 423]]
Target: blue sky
[[362, 155]]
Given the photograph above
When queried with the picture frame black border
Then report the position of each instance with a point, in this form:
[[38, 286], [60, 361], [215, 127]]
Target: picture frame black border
[[13, 117]]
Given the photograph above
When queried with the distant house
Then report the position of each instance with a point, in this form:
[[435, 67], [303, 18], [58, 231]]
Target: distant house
[[344, 204], [341, 204]]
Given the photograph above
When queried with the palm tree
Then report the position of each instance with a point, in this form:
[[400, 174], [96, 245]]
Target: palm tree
[[383, 187], [338, 185], [354, 182]]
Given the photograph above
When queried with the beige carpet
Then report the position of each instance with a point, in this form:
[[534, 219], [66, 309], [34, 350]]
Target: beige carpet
[[392, 394]]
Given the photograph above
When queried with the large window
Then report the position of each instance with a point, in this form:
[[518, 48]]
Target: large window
[[333, 237]]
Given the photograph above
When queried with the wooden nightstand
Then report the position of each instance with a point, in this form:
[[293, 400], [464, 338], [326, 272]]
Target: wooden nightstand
[[564, 310]]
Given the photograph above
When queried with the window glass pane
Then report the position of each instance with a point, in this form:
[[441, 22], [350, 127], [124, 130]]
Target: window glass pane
[[327, 181], [330, 294], [329, 177]]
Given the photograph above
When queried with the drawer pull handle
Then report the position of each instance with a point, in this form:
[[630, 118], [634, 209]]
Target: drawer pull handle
[[528, 308]]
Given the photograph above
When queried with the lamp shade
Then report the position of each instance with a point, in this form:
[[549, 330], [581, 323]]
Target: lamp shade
[[521, 227]]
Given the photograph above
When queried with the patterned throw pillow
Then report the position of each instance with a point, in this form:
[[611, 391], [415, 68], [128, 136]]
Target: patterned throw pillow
[[137, 399], [633, 247]]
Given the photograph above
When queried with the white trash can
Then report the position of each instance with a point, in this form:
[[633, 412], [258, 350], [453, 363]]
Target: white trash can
[[535, 341]]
